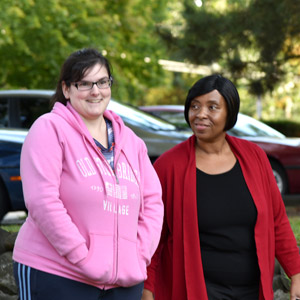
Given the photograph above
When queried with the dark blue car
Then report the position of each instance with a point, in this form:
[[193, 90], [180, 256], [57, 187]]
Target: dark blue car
[[10, 182]]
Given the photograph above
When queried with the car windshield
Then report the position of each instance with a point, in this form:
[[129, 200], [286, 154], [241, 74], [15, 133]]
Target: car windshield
[[133, 115], [247, 126]]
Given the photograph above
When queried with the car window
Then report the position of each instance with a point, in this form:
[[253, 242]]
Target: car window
[[31, 109], [3, 113], [174, 117], [250, 127], [21, 112], [138, 118]]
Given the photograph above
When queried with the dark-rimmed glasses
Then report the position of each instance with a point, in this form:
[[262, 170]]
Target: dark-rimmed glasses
[[103, 83]]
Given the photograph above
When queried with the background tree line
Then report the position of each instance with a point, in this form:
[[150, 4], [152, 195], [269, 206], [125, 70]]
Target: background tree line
[[255, 43]]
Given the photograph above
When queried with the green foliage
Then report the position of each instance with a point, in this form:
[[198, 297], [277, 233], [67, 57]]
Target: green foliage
[[250, 39], [37, 36], [11, 228], [287, 127], [255, 43]]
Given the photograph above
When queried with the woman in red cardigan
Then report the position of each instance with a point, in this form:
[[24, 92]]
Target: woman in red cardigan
[[225, 221]]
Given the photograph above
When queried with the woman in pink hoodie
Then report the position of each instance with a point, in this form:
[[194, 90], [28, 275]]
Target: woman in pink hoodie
[[93, 198]]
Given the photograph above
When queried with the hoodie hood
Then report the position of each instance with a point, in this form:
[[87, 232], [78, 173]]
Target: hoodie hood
[[69, 114]]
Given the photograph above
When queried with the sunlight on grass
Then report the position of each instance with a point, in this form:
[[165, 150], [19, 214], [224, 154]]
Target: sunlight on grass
[[295, 224], [11, 228]]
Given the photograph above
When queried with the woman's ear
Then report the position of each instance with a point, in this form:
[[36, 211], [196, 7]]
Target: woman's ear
[[65, 90]]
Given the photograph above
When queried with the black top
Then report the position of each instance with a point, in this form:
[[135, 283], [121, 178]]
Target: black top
[[226, 219]]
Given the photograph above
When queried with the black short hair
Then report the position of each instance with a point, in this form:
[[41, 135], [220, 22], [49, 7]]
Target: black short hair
[[74, 68], [225, 87]]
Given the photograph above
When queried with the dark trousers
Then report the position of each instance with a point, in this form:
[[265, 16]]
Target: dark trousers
[[37, 285], [221, 292]]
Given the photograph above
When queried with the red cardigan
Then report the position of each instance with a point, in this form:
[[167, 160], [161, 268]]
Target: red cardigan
[[176, 268]]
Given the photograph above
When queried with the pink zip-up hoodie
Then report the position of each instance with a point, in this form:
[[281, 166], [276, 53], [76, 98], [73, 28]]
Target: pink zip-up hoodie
[[86, 221]]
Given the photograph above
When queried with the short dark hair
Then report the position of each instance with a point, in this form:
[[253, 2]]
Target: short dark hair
[[225, 87], [74, 68]]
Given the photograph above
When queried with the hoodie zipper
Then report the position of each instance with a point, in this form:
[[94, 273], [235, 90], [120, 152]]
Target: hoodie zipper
[[117, 225], [116, 219]]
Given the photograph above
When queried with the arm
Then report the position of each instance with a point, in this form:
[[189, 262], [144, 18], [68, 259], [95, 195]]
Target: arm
[[286, 249], [41, 168], [147, 295], [295, 287]]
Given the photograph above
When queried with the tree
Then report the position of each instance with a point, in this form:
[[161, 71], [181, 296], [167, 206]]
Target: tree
[[36, 37], [250, 39]]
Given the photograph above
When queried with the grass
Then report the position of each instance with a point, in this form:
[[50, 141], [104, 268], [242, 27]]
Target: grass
[[11, 228], [295, 224]]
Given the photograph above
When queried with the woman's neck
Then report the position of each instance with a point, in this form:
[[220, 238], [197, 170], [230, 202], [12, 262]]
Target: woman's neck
[[214, 158], [98, 130], [216, 147]]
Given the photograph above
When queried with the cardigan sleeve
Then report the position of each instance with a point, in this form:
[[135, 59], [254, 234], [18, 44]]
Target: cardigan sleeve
[[274, 235], [152, 268], [286, 249]]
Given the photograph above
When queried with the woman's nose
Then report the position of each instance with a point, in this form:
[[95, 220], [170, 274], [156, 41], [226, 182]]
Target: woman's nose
[[202, 112], [95, 90]]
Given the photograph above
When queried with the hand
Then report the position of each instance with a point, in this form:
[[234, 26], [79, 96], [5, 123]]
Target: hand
[[147, 295], [295, 287]]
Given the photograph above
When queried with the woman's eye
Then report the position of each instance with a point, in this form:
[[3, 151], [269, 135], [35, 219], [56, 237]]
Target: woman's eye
[[83, 83], [103, 81]]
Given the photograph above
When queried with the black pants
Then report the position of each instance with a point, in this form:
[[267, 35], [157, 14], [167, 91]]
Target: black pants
[[221, 292], [37, 285]]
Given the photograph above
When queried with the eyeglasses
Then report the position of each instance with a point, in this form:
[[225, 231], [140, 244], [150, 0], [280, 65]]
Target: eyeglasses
[[88, 85]]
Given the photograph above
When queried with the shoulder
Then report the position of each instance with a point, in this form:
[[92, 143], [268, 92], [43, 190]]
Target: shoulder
[[177, 156], [247, 150], [243, 145], [46, 129], [124, 135]]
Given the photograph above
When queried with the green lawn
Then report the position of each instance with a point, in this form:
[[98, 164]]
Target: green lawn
[[11, 228], [295, 224]]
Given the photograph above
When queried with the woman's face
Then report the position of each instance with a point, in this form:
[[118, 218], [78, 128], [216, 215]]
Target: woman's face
[[208, 116], [90, 104]]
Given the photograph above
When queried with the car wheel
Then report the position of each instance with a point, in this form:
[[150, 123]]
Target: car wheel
[[4, 205], [280, 177]]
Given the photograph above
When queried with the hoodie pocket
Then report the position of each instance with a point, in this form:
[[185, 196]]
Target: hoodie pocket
[[98, 265], [131, 268]]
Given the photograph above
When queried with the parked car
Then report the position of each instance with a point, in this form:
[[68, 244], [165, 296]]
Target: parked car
[[172, 113], [20, 108], [283, 152]]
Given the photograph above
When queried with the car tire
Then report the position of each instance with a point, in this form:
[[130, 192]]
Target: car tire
[[280, 177]]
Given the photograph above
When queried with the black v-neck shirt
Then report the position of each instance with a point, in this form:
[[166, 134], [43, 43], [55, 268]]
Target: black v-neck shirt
[[226, 219]]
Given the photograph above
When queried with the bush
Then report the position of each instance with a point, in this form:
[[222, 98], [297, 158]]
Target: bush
[[287, 127]]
